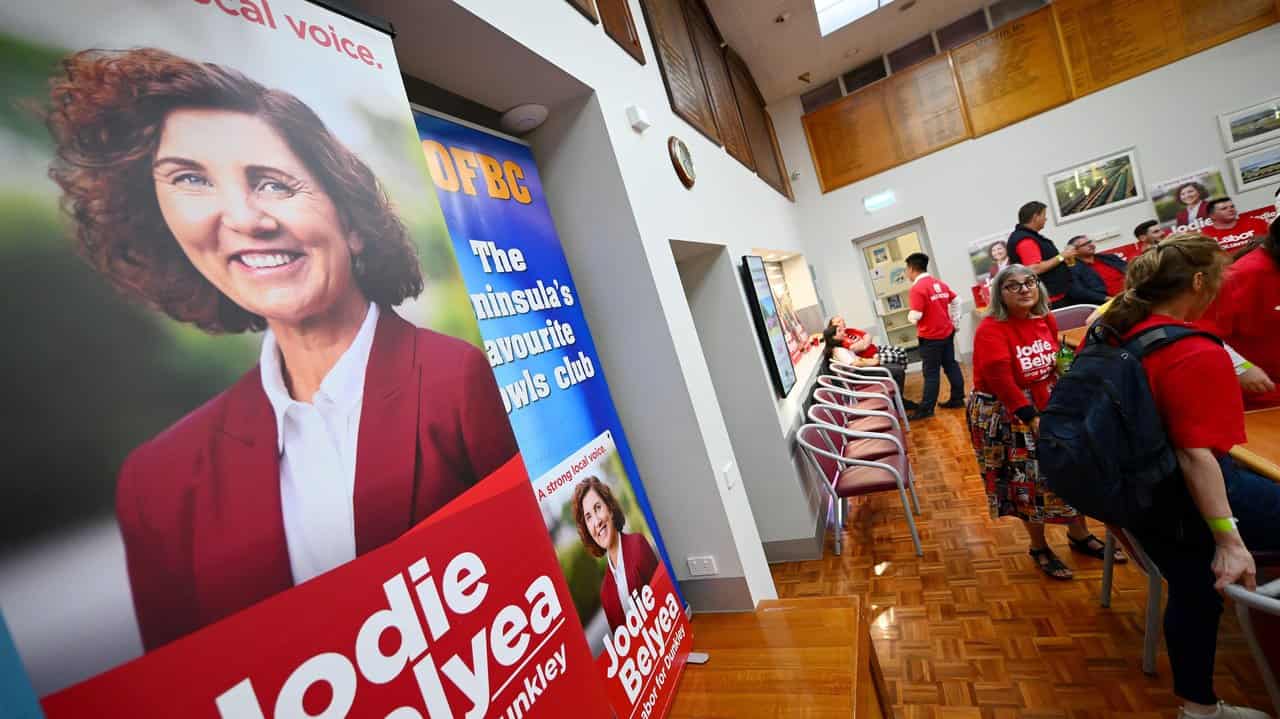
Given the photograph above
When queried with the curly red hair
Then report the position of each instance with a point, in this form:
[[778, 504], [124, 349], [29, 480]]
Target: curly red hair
[[619, 519], [107, 111]]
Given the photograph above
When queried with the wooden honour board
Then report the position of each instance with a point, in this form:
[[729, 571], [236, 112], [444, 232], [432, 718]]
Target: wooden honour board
[[924, 108], [673, 45], [852, 138], [724, 106], [1110, 41], [1012, 73]]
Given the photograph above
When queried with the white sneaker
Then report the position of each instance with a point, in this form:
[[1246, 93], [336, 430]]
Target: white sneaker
[[1226, 711]]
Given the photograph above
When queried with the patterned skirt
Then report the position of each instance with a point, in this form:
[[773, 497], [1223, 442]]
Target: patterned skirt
[[1006, 452]]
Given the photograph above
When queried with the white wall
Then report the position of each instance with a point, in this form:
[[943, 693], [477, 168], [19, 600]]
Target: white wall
[[728, 205], [784, 502], [974, 188]]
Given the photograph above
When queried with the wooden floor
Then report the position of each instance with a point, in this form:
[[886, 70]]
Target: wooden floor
[[971, 629]]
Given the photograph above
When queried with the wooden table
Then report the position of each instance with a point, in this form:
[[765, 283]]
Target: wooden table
[[809, 656], [1262, 452], [1074, 338]]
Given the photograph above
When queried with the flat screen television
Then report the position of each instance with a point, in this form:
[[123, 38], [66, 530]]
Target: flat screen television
[[764, 308]]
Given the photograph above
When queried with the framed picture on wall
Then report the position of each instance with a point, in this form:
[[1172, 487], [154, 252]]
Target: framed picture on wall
[[1101, 185], [1251, 125], [1257, 168], [880, 255]]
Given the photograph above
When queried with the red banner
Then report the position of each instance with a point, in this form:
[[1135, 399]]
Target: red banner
[[644, 658], [466, 615]]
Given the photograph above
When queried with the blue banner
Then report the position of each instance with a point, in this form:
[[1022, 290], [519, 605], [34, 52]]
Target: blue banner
[[558, 401]]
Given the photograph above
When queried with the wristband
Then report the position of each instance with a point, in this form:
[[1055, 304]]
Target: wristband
[[1243, 367], [1060, 259], [1221, 524]]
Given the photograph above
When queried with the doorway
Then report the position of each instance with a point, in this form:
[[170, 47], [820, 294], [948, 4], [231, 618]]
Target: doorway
[[884, 269]]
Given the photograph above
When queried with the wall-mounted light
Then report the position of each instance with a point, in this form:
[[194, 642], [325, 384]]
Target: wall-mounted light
[[879, 201]]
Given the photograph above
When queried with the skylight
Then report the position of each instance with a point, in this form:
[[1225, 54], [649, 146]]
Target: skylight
[[835, 14]]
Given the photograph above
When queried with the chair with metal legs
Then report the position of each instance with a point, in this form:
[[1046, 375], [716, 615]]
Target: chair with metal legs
[[1259, 614], [850, 473], [1155, 589], [873, 379]]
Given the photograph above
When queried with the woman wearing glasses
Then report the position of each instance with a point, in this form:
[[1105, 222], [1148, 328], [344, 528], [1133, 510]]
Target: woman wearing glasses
[[1014, 362]]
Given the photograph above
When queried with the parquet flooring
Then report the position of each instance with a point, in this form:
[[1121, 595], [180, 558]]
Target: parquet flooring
[[972, 628]]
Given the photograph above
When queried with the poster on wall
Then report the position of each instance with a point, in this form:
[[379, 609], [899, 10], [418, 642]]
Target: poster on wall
[[259, 450], [1182, 203], [1101, 185], [549, 374]]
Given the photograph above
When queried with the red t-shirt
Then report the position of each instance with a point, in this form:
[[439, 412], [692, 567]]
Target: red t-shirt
[[1111, 277], [1028, 252], [1246, 230], [1247, 316], [1195, 390], [851, 335], [931, 297], [1013, 355]]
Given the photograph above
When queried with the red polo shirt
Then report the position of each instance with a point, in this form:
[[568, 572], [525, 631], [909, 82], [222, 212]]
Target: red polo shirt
[[931, 297]]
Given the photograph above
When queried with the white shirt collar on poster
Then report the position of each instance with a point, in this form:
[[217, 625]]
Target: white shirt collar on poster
[[619, 572], [317, 442]]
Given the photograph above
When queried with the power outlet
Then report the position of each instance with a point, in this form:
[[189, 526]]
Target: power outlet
[[703, 566]]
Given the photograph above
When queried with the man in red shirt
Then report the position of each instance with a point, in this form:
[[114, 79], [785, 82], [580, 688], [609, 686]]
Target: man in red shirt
[[1231, 230], [934, 310], [1094, 277]]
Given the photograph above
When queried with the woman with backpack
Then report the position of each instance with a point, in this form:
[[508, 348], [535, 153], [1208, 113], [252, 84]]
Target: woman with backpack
[[1014, 368], [1206, 517]]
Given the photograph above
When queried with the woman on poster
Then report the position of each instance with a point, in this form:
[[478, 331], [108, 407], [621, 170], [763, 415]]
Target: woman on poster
[[631, 561], [1194, 200], [230, 206]]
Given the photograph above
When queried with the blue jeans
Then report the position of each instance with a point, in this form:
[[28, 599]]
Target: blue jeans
[[1181, 545], [938, 355]]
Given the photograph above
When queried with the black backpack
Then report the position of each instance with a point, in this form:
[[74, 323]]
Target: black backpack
[[1102, 446]]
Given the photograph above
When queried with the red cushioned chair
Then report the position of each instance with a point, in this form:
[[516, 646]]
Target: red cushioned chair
[[881, 402], [842, 460], [1073, 316], [872, 379], [1259, 614]]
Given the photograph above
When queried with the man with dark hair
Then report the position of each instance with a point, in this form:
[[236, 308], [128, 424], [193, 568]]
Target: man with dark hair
[[1231, 230], [935, 311], [1028, 247], [1094, 277], [1148, 234]]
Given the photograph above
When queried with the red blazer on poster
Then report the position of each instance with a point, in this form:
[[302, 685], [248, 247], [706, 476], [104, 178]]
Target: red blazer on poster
[[640, 563], [1184, 217], [200, 508]]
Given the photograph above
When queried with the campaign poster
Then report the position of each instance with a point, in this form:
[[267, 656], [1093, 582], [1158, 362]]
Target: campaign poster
[[988, 255], [257, 464], [1182, 203], [554, 390]]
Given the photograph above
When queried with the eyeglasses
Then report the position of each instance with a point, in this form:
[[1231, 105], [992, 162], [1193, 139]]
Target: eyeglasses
[[1025, 286]]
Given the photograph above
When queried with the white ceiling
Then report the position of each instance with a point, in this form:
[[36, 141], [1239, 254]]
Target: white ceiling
[[444, 44], [778, 53]]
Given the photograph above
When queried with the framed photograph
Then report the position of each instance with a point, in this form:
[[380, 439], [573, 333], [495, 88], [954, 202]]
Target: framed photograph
[[1182, 203], [1258, 168], [893, 302], [898, 276], [1251, 125], [1107, 183], [880, 255]]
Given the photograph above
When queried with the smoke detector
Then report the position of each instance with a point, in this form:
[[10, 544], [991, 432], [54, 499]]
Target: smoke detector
[[523, 119]]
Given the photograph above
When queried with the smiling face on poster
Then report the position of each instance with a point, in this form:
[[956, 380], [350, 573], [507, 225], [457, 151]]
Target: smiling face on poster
[[1182, 203], [244, 361]]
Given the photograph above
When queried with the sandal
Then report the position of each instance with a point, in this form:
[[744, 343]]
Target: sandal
[[1051, 565], [1091, 546]]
